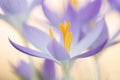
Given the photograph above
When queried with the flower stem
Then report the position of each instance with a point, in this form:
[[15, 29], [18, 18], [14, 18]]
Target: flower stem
[[66, 71], [98, 69]]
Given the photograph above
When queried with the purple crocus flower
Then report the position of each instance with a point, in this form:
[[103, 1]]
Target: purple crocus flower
[[25, 70], [17, 11], [115, 4], [78, 19], [65, 50]]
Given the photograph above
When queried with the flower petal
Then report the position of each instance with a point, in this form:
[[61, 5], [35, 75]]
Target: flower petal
[[24, 69], [35, 3], [48, 70], [102, 37], [38, 38], [89, 39], [13, 6], [51, 16], [31, 52], [112, 40], [71, 16], [90, 11], [113, 43], [115, 4], [91, 52], [58, 51]]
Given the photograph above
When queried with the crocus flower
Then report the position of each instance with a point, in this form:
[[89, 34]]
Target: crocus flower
[[25, 70], [17, 11], [115, 4], [65, 50], [77, 18], [80, 20]]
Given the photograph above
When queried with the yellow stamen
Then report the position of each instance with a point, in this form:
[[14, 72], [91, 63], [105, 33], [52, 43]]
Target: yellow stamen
[[66, 35], [67, 27], [70, 40], [66, 40], [51, 33]]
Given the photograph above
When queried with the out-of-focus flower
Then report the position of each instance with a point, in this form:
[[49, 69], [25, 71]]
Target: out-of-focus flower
[[115, 4], [65, 50], [48, 70], [17, 11], [24, 70]]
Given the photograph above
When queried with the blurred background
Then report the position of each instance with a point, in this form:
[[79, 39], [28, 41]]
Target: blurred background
[[83, 69]]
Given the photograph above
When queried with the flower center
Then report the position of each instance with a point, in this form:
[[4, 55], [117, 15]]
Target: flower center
[[67, 36]]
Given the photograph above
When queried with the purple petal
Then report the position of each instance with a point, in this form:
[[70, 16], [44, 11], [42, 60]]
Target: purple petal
[[24, 69], [71, 16], [113, 43], [38, 38], [13, 6], [48, 70], [35, 3], [90, 38], [51, 16], [102, 37], [112, 40], [115, 4], [91, 52], [58, 51], [31, 52], [90, 11], [85, 14]]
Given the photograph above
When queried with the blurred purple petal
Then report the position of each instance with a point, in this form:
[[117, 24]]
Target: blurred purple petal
[[112, 40], [90, 38], [103, 36], [48, 70], [113, 43], [31, 52], [37, 37], [71, 16], [84, 15], [91, 52], [24, 69], [115, 4], [13, 6], [51, 16], [58, 51], [89, 11], [35, 3]]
